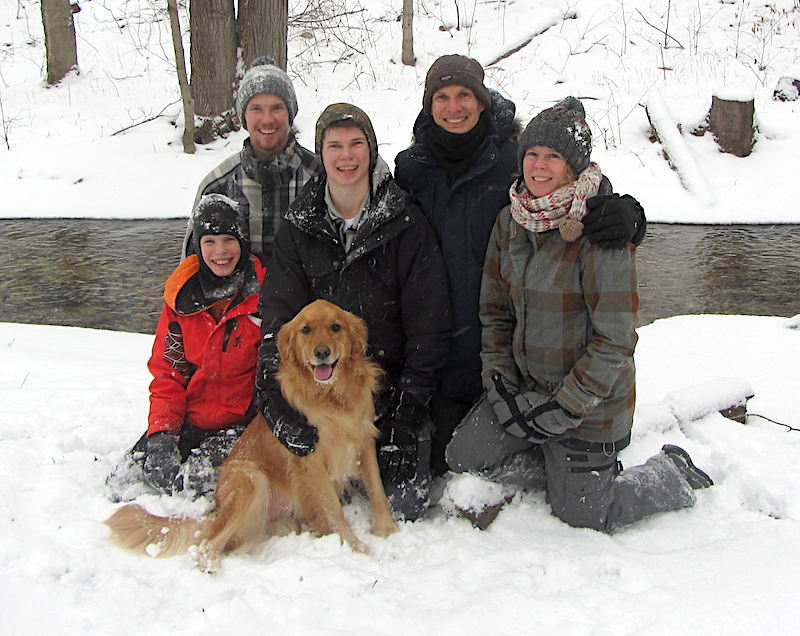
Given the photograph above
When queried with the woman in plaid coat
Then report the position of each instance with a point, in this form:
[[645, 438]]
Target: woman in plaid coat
[[558, 317]]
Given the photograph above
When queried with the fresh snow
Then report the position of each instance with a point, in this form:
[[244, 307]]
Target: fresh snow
[[75, 399]]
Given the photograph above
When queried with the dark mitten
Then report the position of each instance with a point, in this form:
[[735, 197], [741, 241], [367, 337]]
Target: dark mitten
[[289, 425], [397, 452], [614, 221], [509, 404], [550, 419], [162, 461], [397, 445]]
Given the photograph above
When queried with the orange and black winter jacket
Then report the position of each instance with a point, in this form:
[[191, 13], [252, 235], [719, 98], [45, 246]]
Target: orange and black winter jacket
[[204, 370]]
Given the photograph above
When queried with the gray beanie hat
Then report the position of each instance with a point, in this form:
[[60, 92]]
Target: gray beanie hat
[[353, 115], [455, 69], [563, 128], [265, 77]]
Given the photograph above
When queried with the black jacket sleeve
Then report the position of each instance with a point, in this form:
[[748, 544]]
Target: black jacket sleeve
[[426, 311]]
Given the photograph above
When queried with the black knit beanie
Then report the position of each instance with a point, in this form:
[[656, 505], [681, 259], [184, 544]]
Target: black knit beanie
[[217, 214], [563, 128], [455, 69], [338, 113], [265, 77]]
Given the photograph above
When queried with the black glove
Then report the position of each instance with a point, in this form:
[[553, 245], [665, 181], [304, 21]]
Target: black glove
[[531, 416], [397, 445], [614, 221], [287, 423], [397, 455], [162, 461]]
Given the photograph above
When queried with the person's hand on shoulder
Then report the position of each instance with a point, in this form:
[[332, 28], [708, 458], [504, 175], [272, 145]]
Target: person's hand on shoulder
[[613, 221]]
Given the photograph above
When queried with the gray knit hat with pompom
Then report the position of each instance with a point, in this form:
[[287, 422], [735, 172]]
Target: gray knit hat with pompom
[[265, 77], [563, 128]]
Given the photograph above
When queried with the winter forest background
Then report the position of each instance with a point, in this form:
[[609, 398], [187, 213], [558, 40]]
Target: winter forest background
[[124, 107], [105, 143]]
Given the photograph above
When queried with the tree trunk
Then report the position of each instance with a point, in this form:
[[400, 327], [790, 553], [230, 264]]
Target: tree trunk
[[408, 33], [731, 122], [262, 27], [59, 39], [213, 59], [183, 80]]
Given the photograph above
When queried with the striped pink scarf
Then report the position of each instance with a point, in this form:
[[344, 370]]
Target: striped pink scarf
[[563, 209]]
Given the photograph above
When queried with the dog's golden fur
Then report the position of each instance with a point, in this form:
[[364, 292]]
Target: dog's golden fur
[[264, 489]]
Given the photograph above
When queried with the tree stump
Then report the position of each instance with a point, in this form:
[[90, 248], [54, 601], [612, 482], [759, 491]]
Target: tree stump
[[731, 122]]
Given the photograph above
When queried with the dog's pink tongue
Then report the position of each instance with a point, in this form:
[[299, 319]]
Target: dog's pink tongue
[[323, 372]]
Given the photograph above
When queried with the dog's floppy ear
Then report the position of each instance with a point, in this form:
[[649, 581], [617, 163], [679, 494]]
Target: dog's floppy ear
[[357, 332], [286, 342]]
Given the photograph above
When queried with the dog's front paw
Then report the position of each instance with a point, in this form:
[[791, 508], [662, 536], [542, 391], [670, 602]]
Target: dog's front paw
[[358, 546], [384, 527]]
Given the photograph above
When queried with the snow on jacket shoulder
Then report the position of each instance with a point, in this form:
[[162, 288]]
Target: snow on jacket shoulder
[[203, 370]]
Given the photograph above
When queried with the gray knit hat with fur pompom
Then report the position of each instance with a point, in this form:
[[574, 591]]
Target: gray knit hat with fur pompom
[[563, 128], [265, 77]]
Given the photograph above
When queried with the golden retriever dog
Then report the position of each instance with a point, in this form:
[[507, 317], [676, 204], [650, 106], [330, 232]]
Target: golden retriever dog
[[263, 488]]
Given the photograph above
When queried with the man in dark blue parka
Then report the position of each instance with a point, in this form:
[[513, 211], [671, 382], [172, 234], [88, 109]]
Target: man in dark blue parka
[[459, 170]]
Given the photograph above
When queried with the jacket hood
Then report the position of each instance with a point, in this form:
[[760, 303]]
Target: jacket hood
[[192, 300], [386, 199]]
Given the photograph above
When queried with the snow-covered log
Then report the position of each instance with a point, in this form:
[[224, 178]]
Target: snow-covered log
[[787, 89], [676, 151], [728, 396]]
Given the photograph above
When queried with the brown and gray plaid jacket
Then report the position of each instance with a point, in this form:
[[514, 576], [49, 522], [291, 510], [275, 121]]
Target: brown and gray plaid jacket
[[559, 318], [267, 188]]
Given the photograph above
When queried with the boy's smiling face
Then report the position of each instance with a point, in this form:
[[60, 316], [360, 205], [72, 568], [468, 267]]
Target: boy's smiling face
[[221, 252]]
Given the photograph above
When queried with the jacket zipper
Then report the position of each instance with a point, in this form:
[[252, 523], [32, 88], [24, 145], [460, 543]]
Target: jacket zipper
[[230, 325]]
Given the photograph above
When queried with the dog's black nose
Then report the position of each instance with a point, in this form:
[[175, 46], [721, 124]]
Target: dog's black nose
[[322, 351]]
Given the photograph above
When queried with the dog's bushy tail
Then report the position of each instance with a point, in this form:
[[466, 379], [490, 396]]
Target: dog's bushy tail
[[135, 529]]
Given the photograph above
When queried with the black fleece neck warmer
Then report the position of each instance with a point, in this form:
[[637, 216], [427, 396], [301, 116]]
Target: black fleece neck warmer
[[456, 151]]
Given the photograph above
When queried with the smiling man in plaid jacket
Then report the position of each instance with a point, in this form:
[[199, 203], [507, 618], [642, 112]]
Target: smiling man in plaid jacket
[[272, 168]]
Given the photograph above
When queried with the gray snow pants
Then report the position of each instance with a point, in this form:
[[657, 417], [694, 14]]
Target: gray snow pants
[[584, 482]]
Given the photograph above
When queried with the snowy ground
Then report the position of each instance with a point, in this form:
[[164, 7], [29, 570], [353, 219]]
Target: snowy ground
[[726, 567]]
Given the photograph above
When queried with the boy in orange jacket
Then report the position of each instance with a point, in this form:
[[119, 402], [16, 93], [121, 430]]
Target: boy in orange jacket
[[203, 362]]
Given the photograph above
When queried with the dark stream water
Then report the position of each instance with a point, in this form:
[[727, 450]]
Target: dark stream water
[[109, 274]]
